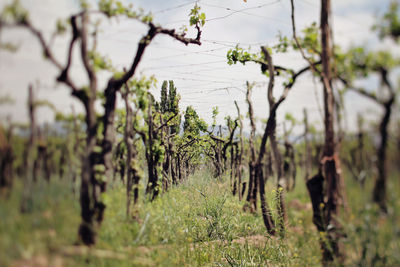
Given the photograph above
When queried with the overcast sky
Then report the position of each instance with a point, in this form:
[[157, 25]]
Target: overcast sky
[[201, 74]]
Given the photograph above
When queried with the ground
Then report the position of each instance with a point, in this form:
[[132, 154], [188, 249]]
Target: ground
[[198, 223]]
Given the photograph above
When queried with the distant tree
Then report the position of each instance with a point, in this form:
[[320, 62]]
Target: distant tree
[[389, 24], [169, 108], [358, 63], [253, 182], [218, 144], [190, 146], [357, 160], [264, 59]]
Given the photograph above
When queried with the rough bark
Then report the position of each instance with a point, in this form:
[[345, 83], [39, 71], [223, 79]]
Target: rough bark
[[252, 188], [380, 187], [330, 161], [232, 171], [274, 146], [269, 130], [239, 170]]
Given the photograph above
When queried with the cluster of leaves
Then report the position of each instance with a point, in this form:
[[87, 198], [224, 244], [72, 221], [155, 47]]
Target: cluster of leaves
[[292, 121], [61, 26], [6, 100], [229, 122], [193, 133], [100, 62], [215, 113], [113, 8], [359, 62], [14, 13], [197, 17], [193, 124], [45, 103], [309, 41], [238, 54], [283, 45], [389, 24]]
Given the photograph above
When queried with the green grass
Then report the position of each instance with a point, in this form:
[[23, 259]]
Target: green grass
[[198, 223]]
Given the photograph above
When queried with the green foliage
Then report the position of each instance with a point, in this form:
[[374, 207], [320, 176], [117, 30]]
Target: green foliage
[[113, 8], [69, 118], [164, 97], [100, 62], [229, 122], [283, 45], [191, 143], [6, 100], [140, 88], [311, 41], [238, 54], [291, 123], [45, 103], [8, 46], [169, 106], [84, 4], [214, 115], [313, 130], [358, 62], [173, 99], [289, 117], [389, 24], [14, 13], [193, 124], [61, 27], [196, 17]]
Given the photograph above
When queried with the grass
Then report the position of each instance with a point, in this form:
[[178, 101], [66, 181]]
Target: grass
[[198, 223]]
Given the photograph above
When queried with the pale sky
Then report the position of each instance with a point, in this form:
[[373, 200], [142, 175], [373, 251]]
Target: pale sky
[[201, 74]]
